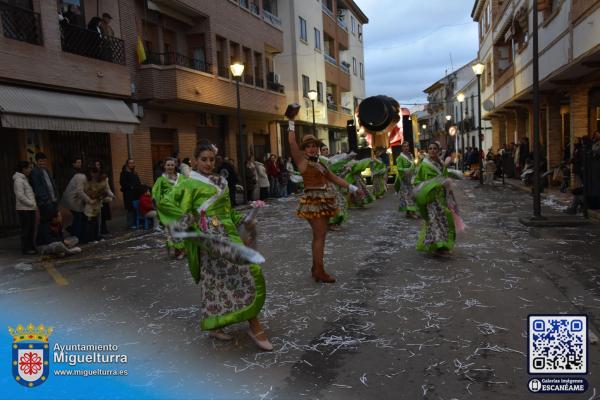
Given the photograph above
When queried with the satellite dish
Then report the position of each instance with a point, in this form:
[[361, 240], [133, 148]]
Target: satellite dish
[[488, 105]]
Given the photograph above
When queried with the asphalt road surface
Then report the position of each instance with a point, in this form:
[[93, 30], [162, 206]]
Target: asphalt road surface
[[396, 325]]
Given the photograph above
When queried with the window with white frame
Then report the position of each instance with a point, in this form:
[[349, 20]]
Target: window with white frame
[[353, 24], [362, 71], [320, 91], [317, 39], [303, 31], [354, 69], [305, 85]]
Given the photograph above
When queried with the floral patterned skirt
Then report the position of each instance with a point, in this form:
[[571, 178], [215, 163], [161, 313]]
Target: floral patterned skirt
[[437, 232], [317, 203], [405, 193], [230, 293]]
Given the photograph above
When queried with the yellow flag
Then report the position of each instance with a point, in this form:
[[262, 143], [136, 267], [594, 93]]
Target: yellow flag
[[141, 52]]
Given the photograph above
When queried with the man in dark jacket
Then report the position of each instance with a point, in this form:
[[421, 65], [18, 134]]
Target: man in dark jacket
[[44, 188], [230, 175], [130, 186]]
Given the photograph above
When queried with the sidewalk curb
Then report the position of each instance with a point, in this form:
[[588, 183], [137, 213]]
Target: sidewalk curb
[[594, 215]]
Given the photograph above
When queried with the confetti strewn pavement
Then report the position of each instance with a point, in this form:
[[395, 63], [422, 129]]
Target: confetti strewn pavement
[[397, 324]]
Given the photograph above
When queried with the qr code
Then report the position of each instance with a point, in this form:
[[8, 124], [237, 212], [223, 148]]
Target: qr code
[[557, 344]]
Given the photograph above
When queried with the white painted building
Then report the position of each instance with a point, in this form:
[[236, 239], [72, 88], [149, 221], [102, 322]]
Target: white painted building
[[323, 51]]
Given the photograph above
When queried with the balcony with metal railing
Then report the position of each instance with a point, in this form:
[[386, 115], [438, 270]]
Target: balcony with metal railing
[[326, 10], [345, 67], [275, 87], [248, 79], [258, 82], [342, 24], [332, 106], [92, 44], [173, 58], [272, 19], [21, 24], [330, 59]]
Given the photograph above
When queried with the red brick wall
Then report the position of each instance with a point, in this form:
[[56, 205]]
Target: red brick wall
[[48, 65]]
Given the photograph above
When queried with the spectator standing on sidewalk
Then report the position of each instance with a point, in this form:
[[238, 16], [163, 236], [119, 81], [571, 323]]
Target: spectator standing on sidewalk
[[231, 176], [251, 180], [289, 167], [74, 199], [130, 186], [44, 188], [263, 180], [273, 174], [25, 205], [147, 209], [98, 190], [105, 213]]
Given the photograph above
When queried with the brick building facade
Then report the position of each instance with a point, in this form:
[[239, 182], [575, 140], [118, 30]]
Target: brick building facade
[[181, 92], [569, 55]]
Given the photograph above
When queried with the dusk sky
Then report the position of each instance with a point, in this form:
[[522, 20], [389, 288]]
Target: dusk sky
[[408, 44]]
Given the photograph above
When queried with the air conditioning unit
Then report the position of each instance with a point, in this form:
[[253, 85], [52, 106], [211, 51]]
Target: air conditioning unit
[[276, 77], [341, 12]]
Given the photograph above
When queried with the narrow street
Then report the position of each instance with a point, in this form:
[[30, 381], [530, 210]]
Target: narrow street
[[396, 325]]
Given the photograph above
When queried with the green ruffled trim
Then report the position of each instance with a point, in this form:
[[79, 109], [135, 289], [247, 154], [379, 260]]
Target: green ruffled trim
[[175, 245], [338, 219], [245, 314], [408, 208]]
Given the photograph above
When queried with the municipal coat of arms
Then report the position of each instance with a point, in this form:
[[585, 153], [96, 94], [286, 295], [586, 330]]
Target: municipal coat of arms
[[30, 354]]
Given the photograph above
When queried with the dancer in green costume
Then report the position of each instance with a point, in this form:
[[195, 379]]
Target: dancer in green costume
[[379, 177], [230, 293], [340, 198], [403, 186], [432, 197], [352, 174], [162, 187]]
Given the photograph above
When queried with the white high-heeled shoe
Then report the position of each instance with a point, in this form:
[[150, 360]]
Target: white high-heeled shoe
[[220, 335], [262, 344]]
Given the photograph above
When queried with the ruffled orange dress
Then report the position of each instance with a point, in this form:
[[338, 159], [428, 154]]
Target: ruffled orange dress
[[318, 200]]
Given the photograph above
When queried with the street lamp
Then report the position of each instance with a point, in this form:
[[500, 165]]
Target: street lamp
[[312, 96], [478, 70], [461, 99], [237, 69]]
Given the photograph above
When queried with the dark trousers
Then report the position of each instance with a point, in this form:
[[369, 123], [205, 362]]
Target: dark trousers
[[78, 225], [264, 193], [232, 194], [92, 231], [27, 221]]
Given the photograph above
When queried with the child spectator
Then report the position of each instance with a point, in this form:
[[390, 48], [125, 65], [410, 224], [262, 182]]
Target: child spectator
[[147, 209], [51, 240]]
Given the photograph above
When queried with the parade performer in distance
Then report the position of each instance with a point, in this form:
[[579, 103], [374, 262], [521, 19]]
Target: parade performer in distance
[[378, 177], [436, 204], [340, 200], [231, 292], [317, 204], [352, 174], [162, 187], [403, 186], [337, 165]]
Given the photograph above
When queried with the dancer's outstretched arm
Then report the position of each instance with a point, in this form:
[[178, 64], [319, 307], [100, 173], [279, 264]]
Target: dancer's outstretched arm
[[340, 182]]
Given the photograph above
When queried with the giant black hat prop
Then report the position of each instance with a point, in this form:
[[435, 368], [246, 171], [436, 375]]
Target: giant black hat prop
[[378, 112]]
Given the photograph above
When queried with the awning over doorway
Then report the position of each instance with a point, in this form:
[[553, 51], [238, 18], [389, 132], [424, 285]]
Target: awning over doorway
[[26, 108]]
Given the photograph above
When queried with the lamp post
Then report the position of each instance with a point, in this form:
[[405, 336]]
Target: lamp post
[[448, 119], [237, 69], [424, 128], [478, 70], [312, 96], [461, 99], [537, 207]]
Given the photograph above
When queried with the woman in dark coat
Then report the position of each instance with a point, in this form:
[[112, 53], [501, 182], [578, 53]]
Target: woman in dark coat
[[130, 186]]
